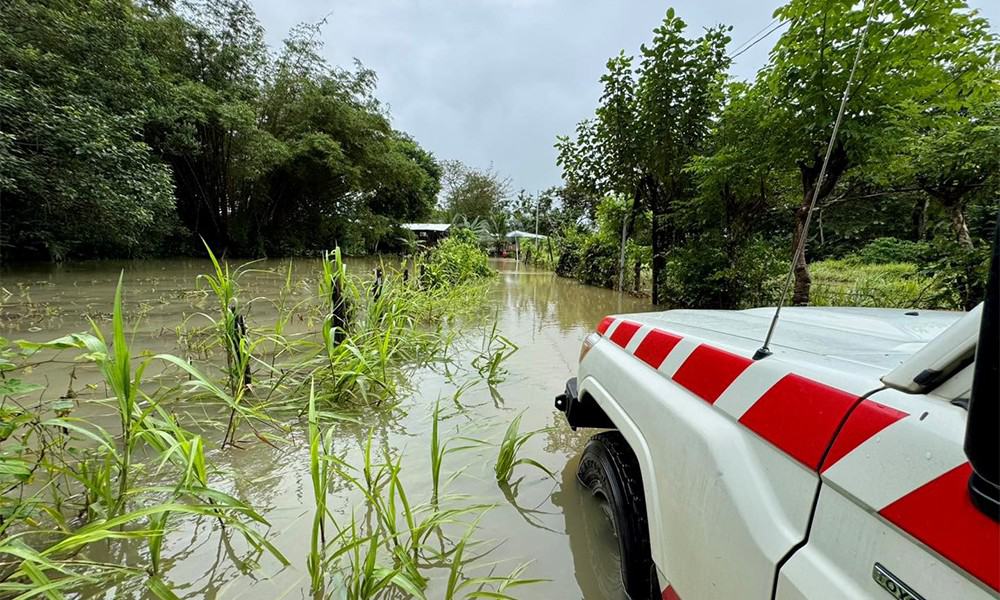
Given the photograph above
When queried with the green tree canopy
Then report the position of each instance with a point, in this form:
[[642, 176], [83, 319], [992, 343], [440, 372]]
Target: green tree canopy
[[473, 193], [164, 122], [75, 91], [915, 53], [650, 122]]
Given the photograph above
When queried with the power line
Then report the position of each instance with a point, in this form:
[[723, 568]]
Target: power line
[[753, 42], [749, 39]]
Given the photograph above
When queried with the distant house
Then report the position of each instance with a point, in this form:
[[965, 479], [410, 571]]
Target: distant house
[[428, 233], [517, 236]]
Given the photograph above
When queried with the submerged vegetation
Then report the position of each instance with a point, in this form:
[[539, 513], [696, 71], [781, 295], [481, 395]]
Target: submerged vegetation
[[70, 483], [391, 548], [72, 480], [507, 458]]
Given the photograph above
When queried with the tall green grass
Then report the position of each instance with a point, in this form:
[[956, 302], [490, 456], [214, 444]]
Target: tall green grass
[[890, 285], [233, 334], [495, 351], [389, 551], [383, 337]]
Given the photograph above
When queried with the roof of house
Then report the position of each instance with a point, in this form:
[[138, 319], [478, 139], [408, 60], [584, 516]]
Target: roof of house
[[525, 234], [426, 226]]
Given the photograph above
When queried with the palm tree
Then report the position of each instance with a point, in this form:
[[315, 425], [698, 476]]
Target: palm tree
[[497, 226]]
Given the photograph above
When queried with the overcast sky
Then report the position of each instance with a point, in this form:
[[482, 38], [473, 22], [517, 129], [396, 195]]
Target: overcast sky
[[493, 82]]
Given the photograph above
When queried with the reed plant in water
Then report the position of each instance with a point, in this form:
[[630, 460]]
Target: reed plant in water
[[510, 446], [233, 335], [369, 338], [320, 458], [495, 350], [440, 449], [338, 289], [389, 552]]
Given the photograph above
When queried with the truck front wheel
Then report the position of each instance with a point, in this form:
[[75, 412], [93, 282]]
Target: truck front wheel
[[609, 469]]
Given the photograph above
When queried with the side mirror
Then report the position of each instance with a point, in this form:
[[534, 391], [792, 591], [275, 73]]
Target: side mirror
[[982, 430]]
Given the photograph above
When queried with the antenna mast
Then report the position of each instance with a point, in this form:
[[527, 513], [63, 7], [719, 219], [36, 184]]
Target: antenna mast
[[765, 350]]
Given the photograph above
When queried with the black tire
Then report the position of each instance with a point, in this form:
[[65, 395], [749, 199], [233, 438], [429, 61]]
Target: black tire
[[609, 469]]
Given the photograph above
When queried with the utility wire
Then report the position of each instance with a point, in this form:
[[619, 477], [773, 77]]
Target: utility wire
[[765, 350], [753, 42], [761, 30]]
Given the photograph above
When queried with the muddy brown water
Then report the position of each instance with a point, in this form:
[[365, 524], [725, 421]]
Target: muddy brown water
[[551, 523]]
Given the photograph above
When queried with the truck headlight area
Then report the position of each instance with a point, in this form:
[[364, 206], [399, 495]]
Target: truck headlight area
[[588, 343]]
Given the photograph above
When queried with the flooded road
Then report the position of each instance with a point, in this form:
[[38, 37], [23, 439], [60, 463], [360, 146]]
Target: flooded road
[[547, 523]]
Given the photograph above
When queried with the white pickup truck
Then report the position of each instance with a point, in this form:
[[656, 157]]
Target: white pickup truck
[[858, 460]]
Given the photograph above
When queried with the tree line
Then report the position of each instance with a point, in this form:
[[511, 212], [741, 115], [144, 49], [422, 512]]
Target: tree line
[[134, 127], [709, 179]]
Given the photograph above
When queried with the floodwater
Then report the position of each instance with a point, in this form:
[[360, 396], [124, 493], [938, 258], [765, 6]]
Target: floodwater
[[549, 523]]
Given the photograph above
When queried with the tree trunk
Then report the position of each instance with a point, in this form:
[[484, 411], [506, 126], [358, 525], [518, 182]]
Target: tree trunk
[[810, 179], [803, 282], [951, 198], [659, 259], [658, 202], [956, 213], [638, 276], [621, 258], [627, 222], [918, 219]]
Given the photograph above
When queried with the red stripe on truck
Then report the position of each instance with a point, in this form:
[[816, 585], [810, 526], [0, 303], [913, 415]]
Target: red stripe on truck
[[670, 594], [709, 371], [604, 324], [941, 515], [799, 416], [865, 421], [655, 347], [624, 332]]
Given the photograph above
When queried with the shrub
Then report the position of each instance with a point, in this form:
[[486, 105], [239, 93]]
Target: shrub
[[706, 272], [961, 273], [892, 250], [457, 259], [902, 274], [598, 262], [569, 253]]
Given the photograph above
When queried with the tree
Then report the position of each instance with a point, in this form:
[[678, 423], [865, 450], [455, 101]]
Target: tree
[[738, 186], [914, 52], [680, 90], [740, 191], [473, 193], [955, 157], [575, 203], [75, 90], [167, 122], [650, 122], [605, 157]]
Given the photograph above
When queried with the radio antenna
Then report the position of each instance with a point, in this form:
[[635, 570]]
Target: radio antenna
[[765, 350]]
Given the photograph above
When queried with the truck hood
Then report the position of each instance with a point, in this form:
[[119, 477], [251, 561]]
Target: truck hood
[[875, 339]]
